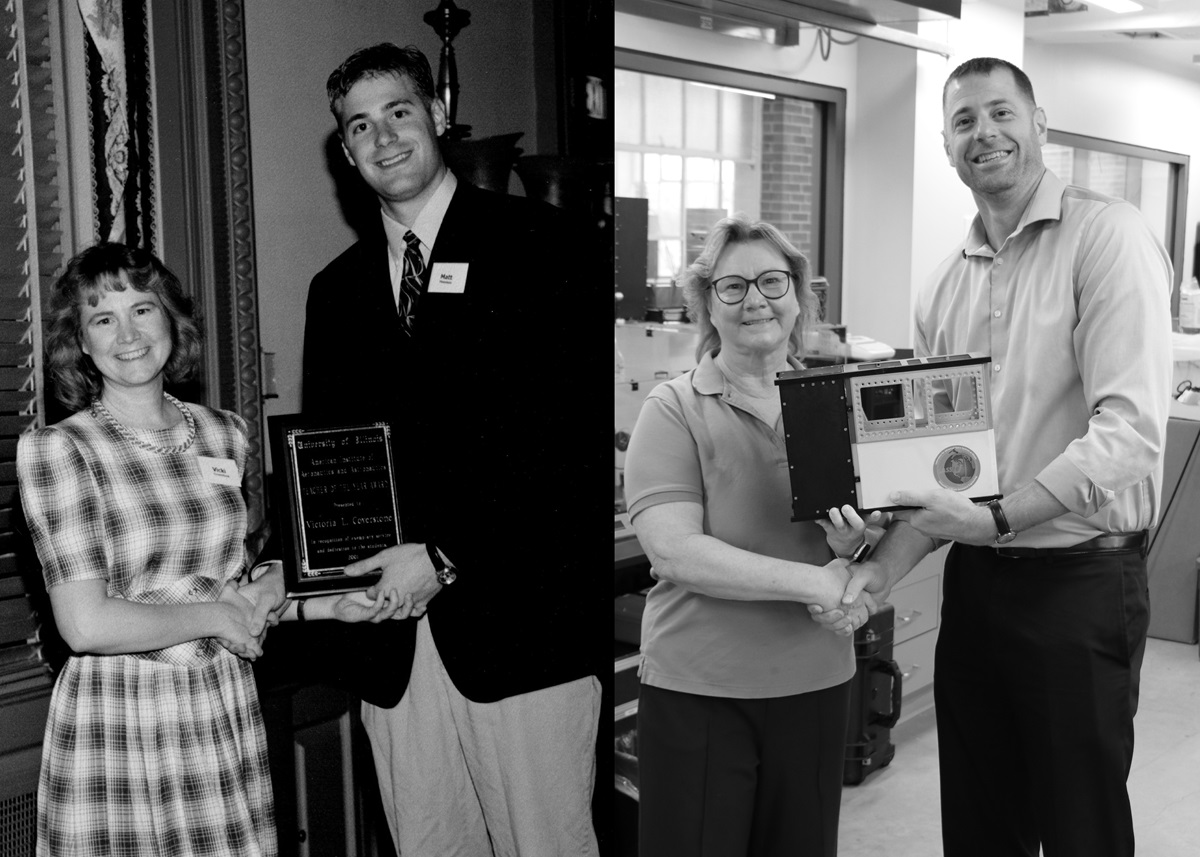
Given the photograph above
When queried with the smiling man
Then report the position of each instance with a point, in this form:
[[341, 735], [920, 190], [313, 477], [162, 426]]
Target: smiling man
[[481, 706], [1045, 607]]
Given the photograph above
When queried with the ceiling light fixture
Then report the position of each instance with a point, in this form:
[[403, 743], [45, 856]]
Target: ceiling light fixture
[[1119, 6]]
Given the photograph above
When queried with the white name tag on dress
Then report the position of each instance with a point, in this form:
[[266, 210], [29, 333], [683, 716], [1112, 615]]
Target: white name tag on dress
[[219, 471], [449, 278]]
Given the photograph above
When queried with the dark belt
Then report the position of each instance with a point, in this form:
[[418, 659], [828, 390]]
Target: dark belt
[[1107, 543]]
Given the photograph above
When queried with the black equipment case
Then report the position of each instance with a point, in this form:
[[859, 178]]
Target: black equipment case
[[874, 699]]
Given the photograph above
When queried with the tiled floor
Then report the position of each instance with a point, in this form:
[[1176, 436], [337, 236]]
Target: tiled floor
[[895, 811]]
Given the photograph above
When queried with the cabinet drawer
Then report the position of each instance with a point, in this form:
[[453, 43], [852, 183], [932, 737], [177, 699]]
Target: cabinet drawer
[[916, 608], [915, 659]]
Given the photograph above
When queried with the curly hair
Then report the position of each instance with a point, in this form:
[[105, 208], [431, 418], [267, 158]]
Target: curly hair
[[109, 266], [380, 60], [696, 280]]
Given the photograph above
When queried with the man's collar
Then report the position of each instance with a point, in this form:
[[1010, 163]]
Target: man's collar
[[428, 222], [1045, 204]]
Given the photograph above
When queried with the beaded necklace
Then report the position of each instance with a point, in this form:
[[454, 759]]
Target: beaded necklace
[[102, 413]]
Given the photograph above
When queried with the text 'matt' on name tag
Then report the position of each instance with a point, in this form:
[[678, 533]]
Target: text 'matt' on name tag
[[219, 471], [448, 278]]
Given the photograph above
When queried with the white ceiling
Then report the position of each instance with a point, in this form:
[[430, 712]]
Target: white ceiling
[[1165, 34]]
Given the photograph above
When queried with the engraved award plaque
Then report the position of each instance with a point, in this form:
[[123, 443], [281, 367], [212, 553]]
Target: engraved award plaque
[[336, 501]]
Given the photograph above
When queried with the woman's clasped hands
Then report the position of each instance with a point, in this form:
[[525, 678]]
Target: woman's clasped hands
[[243, 626]]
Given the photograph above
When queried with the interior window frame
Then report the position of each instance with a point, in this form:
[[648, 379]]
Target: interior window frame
[[1179, 165], [831, 147]]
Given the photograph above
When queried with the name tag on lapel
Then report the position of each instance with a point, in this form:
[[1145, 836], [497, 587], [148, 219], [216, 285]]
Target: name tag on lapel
[[219, 471], [448, 278]]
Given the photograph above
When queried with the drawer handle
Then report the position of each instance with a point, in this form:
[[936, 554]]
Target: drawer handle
[[911, 670], [916, 614]]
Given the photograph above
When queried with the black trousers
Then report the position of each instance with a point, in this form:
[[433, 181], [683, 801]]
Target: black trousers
[[724, 777], [1036, 685]]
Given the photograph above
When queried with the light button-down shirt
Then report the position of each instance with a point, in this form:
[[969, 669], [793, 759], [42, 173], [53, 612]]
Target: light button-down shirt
[[1074, 309]]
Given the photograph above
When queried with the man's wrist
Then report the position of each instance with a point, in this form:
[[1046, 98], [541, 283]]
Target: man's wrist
[[850, 554], [444, 572], [1004, 531]]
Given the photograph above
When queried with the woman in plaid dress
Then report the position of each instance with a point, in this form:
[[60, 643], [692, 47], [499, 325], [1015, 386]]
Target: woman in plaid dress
[[155, 743]]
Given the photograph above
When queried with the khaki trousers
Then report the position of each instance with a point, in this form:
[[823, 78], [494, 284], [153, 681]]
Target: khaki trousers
[[512, 778]]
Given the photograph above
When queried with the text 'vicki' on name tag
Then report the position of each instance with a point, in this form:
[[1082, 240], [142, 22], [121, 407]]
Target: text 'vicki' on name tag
[[219, 471], [448, 278]]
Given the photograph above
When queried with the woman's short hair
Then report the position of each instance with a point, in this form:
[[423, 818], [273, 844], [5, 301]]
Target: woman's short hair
[[696, 280], [109, 266]]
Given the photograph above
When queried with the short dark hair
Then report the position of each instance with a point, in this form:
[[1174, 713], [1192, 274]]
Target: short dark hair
[[109, 266], [986, 65], [380, 60], [696, 279]]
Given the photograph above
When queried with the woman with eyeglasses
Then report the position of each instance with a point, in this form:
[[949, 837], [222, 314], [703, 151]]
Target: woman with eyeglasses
[[744, 698]]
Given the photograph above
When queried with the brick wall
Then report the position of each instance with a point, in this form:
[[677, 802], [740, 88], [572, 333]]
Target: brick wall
[[789, 181]]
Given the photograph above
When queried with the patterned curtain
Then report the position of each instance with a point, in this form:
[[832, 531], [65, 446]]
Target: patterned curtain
[[119, 99]]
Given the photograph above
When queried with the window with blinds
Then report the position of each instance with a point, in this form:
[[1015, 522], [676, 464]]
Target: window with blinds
[[31, 251]]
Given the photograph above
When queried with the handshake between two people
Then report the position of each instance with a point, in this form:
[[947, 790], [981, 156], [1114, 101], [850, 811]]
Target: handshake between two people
[[852, 582], [407, 584], [866, 584]]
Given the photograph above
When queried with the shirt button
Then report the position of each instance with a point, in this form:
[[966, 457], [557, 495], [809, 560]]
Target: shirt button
[[997, 313], [995, 367], [999, 261]]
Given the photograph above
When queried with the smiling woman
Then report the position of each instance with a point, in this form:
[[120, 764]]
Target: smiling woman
[[117, 300], [708, 490], [141, 532], [128, 336], [739, 247], [753, 320]]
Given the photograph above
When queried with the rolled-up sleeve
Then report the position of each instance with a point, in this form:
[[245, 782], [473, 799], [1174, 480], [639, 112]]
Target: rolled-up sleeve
[[1123, 348]]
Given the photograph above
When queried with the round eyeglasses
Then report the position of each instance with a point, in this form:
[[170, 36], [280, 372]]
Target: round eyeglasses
[[770, 284]]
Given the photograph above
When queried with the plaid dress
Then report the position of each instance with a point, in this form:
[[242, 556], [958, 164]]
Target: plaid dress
[[161, 752]]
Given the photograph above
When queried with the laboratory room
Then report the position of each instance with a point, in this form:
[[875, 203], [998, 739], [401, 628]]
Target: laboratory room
[[309, 299], [906, 373]]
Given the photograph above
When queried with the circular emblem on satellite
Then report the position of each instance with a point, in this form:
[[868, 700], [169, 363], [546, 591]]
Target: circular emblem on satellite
[[956, 468]]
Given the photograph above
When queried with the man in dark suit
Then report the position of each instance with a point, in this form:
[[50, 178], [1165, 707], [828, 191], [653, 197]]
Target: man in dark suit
[[490, 744]]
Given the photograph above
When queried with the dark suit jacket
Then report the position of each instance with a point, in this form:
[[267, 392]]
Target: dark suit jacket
[[483, 443]]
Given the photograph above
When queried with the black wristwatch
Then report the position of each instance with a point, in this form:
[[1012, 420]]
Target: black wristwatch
[[445, 575], [1004, 533]]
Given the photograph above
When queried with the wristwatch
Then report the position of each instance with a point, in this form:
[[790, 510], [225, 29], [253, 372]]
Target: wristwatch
[[1004, 533], [445, 575]]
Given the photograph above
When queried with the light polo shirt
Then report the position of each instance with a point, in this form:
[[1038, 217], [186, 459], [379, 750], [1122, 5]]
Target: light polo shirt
[[426, 228], [699, 440], [1075, 310]]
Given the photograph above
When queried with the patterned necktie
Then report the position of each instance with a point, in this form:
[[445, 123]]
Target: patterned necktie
[[410, 282]]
